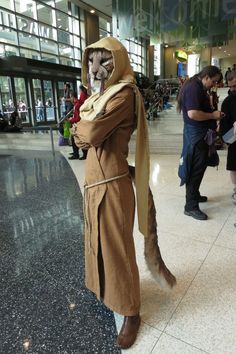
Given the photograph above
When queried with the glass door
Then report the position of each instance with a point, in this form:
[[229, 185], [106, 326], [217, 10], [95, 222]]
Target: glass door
[[49, 100], [61, 95], [38, 101], [7, 105], [21, 99]]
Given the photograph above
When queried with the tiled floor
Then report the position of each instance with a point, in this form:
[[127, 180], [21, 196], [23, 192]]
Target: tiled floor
[[199, 314]]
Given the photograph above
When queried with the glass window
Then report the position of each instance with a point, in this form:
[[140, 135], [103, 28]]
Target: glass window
[[2, 50], [76, 41], [10, 50], [48, 46], [38, 99], [62, 21], [7, 19], [27, 25], [103, 33], [46, 14], [83, 44], [47, 32], [77, 54], [26, 7], [78, 64], [65, 50], [66, 61], [49, 101], [75, 28], [49, 58], [29, 41], [74, 10], [64, 37], [62, 5], [8, 4], [49, 2], [157, 59], [82, 29], [8, 36], [105, 25], [28, 53], [60, 98], [6, 95], [81, 14]]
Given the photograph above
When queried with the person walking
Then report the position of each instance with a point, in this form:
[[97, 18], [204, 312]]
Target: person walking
[[228, 71], [229, 121], [199, 124]]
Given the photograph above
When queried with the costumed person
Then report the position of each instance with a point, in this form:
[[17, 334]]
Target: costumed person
[[77, 102], [108, 118], [198, 136], [229, 121]]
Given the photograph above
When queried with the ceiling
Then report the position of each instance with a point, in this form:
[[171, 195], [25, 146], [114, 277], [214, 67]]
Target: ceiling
[[227, 51], [105, 6]]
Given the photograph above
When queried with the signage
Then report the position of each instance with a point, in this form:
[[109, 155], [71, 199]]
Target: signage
[[181, 56]]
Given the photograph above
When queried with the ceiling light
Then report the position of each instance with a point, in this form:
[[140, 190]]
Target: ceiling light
[[166, 46], [224, 51], [92, 11]]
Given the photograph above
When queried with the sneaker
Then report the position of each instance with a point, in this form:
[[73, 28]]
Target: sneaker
[[196, 214], [202, 199]]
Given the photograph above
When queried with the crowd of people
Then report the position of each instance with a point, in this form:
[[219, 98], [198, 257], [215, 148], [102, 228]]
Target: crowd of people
[[14, 124], [157, 99]]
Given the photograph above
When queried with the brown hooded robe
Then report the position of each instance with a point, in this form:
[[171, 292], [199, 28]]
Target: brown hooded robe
[[110, 266]]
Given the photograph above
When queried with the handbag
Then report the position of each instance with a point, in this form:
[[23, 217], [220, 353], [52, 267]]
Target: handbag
[[63, 141]]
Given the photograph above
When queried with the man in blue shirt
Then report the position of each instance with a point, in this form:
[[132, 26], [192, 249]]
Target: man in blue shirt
[[199, 121]]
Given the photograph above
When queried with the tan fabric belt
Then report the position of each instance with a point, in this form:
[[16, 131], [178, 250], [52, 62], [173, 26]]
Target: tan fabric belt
[[106, 180]]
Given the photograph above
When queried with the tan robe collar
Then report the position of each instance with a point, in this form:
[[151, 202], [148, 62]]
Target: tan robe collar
[[93, 108]]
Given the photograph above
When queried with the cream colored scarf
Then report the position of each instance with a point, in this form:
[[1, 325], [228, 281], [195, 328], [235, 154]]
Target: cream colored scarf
[[93, 108]]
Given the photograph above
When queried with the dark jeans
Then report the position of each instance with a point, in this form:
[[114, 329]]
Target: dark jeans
[[198, 167], [76, 149]]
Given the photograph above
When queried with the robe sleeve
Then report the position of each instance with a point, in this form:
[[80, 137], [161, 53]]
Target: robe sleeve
[[95, 132]]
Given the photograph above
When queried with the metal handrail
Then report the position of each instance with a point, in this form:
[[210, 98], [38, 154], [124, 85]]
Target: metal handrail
[[43, 127]]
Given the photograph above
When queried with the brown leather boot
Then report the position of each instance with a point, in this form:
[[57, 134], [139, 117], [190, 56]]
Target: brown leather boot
[[128, 332]]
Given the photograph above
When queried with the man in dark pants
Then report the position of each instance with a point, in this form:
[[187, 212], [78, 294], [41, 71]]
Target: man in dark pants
[[228, 122], [199, 122]]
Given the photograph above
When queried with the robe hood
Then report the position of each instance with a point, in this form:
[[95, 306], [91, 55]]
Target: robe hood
[[122, 71]]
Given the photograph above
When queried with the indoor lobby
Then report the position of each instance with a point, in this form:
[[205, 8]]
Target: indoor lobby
[[45, 307]]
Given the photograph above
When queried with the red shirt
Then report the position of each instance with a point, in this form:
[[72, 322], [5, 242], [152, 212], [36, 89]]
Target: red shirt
[[77, 104]]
